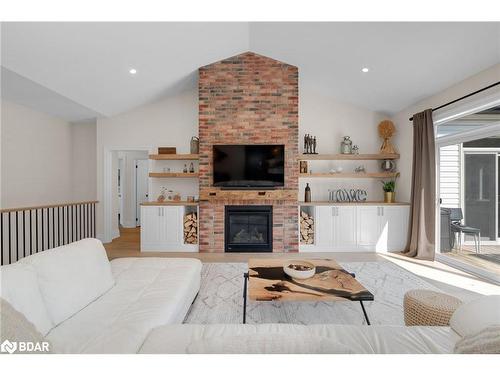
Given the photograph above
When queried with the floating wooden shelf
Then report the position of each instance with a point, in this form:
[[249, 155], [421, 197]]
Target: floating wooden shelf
[[174, 156], [170, 203], [173, 175], [365, 203], [348, 156], [349, 175]]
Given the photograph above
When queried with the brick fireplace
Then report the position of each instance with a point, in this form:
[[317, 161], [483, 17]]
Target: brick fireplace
[[248, 99]]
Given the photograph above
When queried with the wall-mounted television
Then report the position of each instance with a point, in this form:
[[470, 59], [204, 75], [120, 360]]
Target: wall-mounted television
[[249, 166]]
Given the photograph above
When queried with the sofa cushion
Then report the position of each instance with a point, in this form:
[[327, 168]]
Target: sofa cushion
[[19, 286], [16, 328], [177, 338], [266, 343], [71, 276], [476, 315], [148, 293], [486, 341]]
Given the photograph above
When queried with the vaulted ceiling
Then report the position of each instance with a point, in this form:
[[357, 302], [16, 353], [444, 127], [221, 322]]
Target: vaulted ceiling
[[84, 67]]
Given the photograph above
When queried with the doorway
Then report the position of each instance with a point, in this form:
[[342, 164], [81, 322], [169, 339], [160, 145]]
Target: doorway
[[468, 187], [120, 203]]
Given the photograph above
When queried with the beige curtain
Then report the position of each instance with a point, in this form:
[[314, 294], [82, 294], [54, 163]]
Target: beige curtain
[[423, 189]]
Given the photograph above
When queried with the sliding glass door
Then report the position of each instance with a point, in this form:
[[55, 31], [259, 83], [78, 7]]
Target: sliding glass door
[[480, 193]]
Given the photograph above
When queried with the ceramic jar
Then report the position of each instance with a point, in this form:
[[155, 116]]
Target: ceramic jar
[[346, 146]]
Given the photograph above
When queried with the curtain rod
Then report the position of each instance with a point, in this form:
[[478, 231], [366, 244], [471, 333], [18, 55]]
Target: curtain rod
[[463, 97]]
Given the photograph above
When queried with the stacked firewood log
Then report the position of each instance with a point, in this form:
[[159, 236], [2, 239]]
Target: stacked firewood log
[[190, 228], [306, 228]]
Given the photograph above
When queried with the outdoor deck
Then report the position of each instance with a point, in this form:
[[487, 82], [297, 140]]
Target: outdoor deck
[[489, 257]]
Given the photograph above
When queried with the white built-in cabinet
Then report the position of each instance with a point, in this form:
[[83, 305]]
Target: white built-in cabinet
[[162, 229], [359, 228]]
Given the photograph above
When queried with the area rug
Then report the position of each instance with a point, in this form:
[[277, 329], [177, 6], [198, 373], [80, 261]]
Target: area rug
[[220, 299]]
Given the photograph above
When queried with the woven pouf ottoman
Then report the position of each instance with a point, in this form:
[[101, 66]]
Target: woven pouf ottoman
[[428, 308]]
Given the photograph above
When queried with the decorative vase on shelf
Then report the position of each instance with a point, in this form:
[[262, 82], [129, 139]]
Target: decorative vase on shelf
[[307, 195], [346, 145], [195, 145], [389, 196]]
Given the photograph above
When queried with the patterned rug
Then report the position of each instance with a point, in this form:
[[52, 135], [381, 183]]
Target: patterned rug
[[220, 299]]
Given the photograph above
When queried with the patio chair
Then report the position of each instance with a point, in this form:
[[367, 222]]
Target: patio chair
[[456, 226]]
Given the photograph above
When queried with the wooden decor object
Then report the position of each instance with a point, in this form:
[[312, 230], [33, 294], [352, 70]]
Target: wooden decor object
[[167, 150], [303, 166], [306, 228], [191, 228], [386, 130]]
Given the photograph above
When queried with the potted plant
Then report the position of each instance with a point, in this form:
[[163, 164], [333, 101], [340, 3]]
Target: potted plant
[[389, 190]]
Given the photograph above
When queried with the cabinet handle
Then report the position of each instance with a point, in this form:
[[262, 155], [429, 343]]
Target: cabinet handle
[[381, 211]]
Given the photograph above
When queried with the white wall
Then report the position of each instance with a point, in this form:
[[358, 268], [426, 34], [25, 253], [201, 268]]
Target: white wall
[[83, 140], [404, 138], [36, 157], [169, 122], [330, 120], [44, 159]]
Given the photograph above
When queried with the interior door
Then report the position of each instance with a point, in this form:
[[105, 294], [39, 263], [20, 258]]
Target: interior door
[[480, 193], [141, 187]]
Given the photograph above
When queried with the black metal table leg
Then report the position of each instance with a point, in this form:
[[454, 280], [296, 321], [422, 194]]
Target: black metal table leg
[[364, 312], [245, 279]]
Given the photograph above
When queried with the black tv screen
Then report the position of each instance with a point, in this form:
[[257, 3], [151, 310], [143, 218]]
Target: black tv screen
[[249, 166]]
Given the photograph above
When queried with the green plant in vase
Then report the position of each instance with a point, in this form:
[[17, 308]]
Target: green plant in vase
[[389, 188]]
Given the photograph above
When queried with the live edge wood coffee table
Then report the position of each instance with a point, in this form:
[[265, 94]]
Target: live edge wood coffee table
[[268, 282]]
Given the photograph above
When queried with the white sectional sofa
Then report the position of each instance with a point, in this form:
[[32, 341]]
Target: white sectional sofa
[[82, 303]]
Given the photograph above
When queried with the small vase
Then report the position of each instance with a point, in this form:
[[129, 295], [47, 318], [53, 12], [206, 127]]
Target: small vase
[[389, 196]]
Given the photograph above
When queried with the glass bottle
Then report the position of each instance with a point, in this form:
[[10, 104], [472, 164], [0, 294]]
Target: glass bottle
[[307, 195]]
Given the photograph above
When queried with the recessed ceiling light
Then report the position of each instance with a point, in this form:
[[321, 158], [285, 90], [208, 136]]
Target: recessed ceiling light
[[132, 71], [365, 70]]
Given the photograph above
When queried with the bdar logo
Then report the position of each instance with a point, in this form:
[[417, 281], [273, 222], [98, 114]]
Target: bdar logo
[[8, 347]]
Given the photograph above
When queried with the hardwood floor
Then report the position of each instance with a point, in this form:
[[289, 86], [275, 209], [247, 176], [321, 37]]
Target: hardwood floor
[[128, 245], [446, 278]]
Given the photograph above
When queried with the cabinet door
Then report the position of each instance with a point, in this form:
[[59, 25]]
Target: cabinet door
[[324, 227], [344, 227], [171, 226], [368, 227], [394, 223], [150, 226]]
